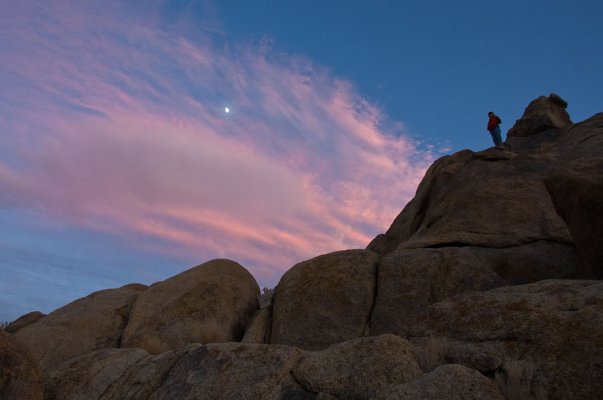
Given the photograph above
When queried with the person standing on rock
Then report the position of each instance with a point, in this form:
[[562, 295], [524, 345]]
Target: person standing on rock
[[494, 128]]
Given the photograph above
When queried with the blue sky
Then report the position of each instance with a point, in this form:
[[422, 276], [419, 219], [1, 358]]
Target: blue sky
[[118, 163]]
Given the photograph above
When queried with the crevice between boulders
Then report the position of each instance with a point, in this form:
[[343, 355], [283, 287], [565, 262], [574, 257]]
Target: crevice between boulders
[[463, 244], [369, 321]]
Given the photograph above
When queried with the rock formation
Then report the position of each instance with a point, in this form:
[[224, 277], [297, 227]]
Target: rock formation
[[484, 287], [20, 375]]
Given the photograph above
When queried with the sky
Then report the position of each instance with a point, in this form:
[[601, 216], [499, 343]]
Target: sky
[[141, 138]]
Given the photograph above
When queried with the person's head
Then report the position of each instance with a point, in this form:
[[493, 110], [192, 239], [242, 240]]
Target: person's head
[[490, 114]]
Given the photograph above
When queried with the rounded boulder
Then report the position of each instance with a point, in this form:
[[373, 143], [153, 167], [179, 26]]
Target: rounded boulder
[[212, 302]]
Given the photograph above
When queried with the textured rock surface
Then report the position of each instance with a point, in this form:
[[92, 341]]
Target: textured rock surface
[[24, 321], [490, 199], [305, 316], [544, 113], [358, 368], [506, 201], [577, 193], [212, 302], [412, 279], [234, 371], [20, 375], [87, 324], [450, 382], [90, 375], [556, 324]]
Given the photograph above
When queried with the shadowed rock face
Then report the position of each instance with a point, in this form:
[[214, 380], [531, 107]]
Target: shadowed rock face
[[577, 192], [212, 302], [325, 300], [20, 376], [470, 294], [451, 382], [556, 325]]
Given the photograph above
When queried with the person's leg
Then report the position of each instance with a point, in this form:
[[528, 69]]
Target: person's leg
[[496, 136]]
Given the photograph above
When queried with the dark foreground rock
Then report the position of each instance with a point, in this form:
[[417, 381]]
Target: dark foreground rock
[[20, 375], [554, 327]]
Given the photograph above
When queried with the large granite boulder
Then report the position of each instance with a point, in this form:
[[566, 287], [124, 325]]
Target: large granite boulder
[[490, 200], [449, 382], [20, 375], [515, 201], [555, 327], [93, 322], [358, 368], [481, 199], [544, 113], [410, 280], [212, 302], [325, 300]]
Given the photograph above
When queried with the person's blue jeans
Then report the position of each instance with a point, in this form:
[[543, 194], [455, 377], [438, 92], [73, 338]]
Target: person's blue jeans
[[496, 136]]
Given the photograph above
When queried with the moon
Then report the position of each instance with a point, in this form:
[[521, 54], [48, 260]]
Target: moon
[[226, 110]]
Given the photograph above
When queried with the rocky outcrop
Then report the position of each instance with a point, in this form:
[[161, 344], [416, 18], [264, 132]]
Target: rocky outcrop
[[212, 302], [410, 280], [556, 326], [91, 323], [20, 375], [304, 316], [542, 114], [450, 382], [89, 376], [358, 368], [482, 288], [351, 370]]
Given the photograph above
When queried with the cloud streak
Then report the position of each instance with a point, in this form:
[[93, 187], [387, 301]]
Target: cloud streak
[[115, 123]]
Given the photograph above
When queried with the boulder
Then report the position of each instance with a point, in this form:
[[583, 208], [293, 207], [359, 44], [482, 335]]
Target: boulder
[[212, 302], [556, 326], [20, 375], [577, 193], [358, 368], [542, 114], [410, 280], [90, 375], [487, 199], [24, 321], [234, 371], [450, 382], [90, 323], [143, 378], [325, 300]]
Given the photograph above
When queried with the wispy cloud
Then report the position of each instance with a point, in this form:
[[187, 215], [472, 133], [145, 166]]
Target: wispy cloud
[[113, 120]]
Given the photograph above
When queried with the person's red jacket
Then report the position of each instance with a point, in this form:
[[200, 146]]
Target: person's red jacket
[[493, 121]]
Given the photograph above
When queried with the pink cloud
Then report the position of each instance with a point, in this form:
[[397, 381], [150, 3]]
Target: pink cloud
[[121, 129]]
